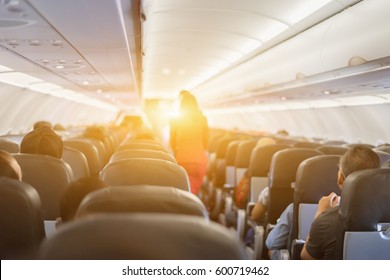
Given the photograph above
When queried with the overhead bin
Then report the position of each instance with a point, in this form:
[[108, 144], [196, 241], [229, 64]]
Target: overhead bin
[[360, 31]]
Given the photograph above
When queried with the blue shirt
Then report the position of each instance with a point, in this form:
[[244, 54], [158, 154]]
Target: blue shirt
[[278, 236]]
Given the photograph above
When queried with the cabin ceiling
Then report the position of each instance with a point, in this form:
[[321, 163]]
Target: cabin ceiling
[[125, 51]]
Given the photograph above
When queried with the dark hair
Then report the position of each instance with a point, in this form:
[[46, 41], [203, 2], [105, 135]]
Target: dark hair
[[188, 104], [9, 167], [73, 195], [41, 123], [44, 141], [359, 157]]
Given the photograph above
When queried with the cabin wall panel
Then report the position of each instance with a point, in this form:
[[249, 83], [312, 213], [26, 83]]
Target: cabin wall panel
[[21, 108], [367, 124]]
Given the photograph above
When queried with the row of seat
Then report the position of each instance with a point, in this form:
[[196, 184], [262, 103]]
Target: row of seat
[[147, 204], [282, 172]]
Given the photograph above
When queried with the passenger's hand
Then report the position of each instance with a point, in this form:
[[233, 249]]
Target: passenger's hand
[[327, 202]]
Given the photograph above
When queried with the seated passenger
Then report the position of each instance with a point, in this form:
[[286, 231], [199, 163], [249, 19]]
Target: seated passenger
[[42, 123], [321, 241], [9, 167], [350, 161], [73, 196], [44, 141], [258, 212]]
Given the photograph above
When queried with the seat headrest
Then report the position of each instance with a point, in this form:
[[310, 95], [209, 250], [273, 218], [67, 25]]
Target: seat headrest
[[145, 146], [145, 171], [142, 198], [222, 146], [21, 220], [365, 199], [9, 145], [316, 177], [143, 237], [332, 150], [243, 153], [284, 165], [261, 156], [231, 151], [383, 156], [142, 153]]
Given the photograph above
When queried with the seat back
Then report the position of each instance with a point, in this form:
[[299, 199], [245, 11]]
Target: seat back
[[143, 236], [316, 177], [283, 169], [21, 222], [141, 153], [217, 172], [9, 145], [310, 145], [230, 158], [332, 150], [143, 146], [364, 207], [145, 171], [144, 199], [242, 159], [259, 166], [90, 152], [49, 176], [77, 161], [383, 156]]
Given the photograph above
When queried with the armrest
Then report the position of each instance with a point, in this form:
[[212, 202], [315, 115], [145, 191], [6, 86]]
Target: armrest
[[284, 254], [249, 207], [296, 248], [258, 242], [241, 222], [228, 187]]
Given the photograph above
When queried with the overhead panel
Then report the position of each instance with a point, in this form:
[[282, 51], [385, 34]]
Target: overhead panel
[[85, 43]]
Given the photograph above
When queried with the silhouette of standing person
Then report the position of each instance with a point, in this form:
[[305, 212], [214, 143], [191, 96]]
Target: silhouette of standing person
[[189, 139]]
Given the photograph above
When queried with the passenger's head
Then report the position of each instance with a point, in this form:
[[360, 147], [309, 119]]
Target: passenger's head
[[282, 132], [188, 104], [9, 167], [359, 157], [265, 141], [58, 127], [42, 123], [42, 140], [95, 132], [75, 193]]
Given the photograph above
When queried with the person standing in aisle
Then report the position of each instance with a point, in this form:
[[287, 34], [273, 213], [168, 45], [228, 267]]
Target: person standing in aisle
[[189, 139]]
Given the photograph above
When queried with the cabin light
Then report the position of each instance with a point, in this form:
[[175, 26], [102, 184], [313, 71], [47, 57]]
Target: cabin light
[[99, 91], [59, 66], [283, 98], [8, 76], [34, 43], [43, 87], [85, 83], [5, 69], [326, 92], [56, 43], [18, 79], [361, 100], [13, 43]]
